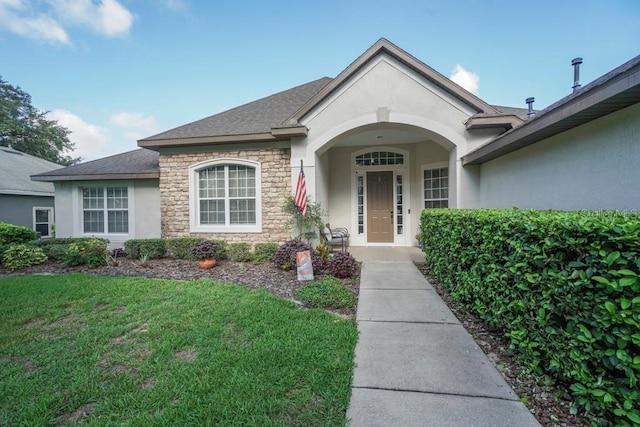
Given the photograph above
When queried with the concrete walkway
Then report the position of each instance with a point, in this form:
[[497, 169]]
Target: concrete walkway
[[415, 363]]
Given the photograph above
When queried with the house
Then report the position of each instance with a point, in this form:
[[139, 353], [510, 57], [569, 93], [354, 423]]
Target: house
[[386, 138], [23, 201]]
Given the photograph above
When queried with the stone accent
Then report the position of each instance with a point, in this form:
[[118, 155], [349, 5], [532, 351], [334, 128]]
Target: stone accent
[[276, 184]]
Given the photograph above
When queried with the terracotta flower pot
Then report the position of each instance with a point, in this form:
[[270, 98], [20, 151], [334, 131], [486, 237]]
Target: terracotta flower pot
[[207, 263]]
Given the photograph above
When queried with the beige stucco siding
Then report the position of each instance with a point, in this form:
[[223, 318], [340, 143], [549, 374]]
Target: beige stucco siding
[[593, 166], [275, 180]]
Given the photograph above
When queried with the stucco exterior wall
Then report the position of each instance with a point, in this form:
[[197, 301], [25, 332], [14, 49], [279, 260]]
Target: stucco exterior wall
[[144, 210], [276, 184], [18, 210], [593, 166]]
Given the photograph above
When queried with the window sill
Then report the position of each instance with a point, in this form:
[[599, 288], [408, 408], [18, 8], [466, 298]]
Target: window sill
[[226, 229]]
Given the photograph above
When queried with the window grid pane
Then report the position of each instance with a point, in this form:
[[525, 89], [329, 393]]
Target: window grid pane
[[399, 205], [227, 195], [111, 203], [376, 158], [436, 188], [360, 196]]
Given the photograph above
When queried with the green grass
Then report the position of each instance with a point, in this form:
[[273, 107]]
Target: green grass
[[134, 351], [327, 292]]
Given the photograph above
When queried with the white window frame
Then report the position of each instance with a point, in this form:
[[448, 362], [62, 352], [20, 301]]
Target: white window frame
[[49, 209], [194, 201], [431, 166], [78, 210]]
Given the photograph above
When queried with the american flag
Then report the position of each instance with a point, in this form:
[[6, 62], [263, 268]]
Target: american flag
[[301, 193]]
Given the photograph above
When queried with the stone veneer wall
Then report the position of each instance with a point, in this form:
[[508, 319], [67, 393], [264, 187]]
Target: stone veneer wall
[[276, 184]]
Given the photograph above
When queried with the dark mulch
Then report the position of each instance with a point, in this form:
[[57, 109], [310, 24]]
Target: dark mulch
[[280, 283], [549, 404]]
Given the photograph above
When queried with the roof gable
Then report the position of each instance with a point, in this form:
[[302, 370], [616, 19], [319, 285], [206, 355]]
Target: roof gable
[[385, 46], [16, 169]]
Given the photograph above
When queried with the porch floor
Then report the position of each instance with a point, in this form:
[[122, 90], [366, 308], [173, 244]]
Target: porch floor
[[386, 253]]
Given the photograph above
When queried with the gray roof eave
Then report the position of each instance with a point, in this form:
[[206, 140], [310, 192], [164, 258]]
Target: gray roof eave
[[27, 193], [116, 176], [612, 92]]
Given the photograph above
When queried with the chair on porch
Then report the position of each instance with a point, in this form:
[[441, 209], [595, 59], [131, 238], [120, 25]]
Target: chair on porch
[[335, 237]]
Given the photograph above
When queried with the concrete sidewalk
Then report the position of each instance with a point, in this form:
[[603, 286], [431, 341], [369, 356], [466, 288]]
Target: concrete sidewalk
[[415, 363]]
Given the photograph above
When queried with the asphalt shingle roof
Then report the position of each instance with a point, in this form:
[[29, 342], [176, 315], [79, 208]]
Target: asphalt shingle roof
[[140, 163], [16, 169], [255, 117]]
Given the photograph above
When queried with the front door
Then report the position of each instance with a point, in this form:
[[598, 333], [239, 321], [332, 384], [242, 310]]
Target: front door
[[380, 207]]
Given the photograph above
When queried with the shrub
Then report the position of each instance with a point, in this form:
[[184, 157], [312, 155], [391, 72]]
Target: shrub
[[343, 265], [150, 248], [328, 292], [563, 286], [264, 252], [10, 234], [92, 252], [55, 248], [285, 257], [240, 252], [22, 256], [205, 249], [180, 247]]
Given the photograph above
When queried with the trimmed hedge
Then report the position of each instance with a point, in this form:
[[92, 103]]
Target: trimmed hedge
[[10, 234], [264, 252], [150, 248], [180, 247], [55, 248], [240, 252], [563, 286]]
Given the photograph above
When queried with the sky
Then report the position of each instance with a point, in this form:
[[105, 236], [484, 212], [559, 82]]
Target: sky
[[115, 71]]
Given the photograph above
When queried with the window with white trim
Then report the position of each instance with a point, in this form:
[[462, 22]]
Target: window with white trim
[[42, 220], [225, 196], [105, 210], [436, 187]]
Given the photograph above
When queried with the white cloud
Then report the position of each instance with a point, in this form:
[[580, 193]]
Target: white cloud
[[31, 18], [90, 140], [15, 17], [108, 17], [136, 125], [467, 79]]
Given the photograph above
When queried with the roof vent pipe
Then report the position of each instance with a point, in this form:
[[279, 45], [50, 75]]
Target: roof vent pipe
[[530, 113], [576, 73]]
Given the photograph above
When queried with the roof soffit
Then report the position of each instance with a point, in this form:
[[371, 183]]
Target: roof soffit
[[384, 46]]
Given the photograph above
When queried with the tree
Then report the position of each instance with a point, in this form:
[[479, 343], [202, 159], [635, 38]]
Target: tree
[[25, 128]]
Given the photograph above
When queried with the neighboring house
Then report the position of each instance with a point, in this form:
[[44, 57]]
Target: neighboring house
[[386, 138], [23, 201]]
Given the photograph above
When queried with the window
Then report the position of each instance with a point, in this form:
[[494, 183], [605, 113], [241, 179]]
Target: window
[[225, 196], [377, 158], [42, 220], [399, 205], [360, 201], [436, 187], [105, 210]]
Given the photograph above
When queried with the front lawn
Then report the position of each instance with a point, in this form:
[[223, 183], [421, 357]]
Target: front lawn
[[137, 351]]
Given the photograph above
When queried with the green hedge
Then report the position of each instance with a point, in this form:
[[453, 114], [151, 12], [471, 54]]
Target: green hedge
[[56, 248], [10, 234], [563, 286], [180, 247], [150, 248]]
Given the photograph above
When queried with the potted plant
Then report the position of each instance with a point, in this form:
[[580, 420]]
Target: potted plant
[[205, 253]]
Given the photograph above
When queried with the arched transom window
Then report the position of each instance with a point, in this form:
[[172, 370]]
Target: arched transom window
[[379, 158]]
